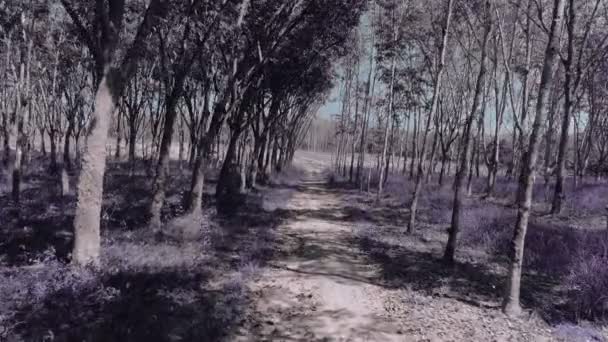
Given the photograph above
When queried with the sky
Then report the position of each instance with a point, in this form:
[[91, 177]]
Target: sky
[[332, 106]]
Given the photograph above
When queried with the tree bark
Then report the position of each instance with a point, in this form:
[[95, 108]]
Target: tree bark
[[387, 132], [90, 185], [511, 304], [158, 187], [118, 135], [465, 156], [433, 109], [132, 141], [67, 161]]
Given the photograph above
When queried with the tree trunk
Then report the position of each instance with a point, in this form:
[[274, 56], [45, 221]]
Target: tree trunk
[[162, 167], [6, 140], [53, 140], [368, 104], [67, 161], [180, 155], [223, 179], [442, 171], [118, 136], [356, 128], [414, 143], [558, 196], [19, 139], [431, 169], [433, 109], [405, 151], [511, 305], [194, 200], [387, 132], [90, 184], [465, 156], [478, 140], [132, 141], [43, 142]]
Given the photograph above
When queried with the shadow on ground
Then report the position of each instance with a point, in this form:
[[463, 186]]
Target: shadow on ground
[[165, 306], [175, 289], [43, 220]]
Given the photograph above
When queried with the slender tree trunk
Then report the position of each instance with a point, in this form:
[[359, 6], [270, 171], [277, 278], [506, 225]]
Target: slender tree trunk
[[7, 147], [405, 151], [415, 143], [389, 123], [67, 161], [162, 167], [180, 154], [65, 181], [42, 142], [431, 169], [19, 138], [495, 158], [195, 197], [53, 141], [433, 109], [465, 157], [511, 305], [132, 141], [118, 135], [442, 171], [369, 100], [521, 137], [478, 138], [558, 196], [223, 179]]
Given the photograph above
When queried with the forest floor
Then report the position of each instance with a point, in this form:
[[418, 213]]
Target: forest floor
[[304, 260]]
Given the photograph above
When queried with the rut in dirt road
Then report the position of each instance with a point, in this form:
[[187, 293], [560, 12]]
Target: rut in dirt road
[[324, 288]]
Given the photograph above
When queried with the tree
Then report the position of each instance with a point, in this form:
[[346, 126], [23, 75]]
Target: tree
[[437, 83], [110, 75], [511, 305], [574, 74], [465, 155]]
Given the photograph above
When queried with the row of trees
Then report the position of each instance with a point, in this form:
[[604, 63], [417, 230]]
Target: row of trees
[[253, 72], [474, 85]]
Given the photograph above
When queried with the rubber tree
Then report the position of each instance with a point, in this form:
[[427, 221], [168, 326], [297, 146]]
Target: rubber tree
[[433, 108], [103, 40], [396, 14], [574, 73], [247, 61], [511, 303], [465, 155]]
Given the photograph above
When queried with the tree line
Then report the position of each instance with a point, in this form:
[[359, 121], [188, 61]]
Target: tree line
[[233, 82], [474, 88]]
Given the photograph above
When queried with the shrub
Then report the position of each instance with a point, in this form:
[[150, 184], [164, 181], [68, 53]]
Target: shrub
[[587, 286], [578, 257], [29, 287], [588, 199], [289, 175], [488, 227]]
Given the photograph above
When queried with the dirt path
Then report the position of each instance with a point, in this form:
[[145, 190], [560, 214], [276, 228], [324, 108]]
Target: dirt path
[[322, 287]]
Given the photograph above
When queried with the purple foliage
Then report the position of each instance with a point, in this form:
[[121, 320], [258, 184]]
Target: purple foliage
[[577, 333], [30, 286], [579, 257], [587, 286], [588, 199], [487, 227]]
